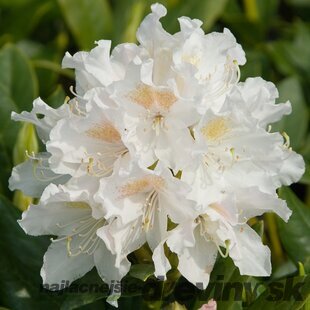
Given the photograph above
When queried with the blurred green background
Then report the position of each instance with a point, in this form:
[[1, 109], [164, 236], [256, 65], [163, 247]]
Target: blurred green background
[[35, 34]]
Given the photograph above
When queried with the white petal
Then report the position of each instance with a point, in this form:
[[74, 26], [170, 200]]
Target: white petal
[[292, 169], [159, 230], [236, 52], [196, 263], [105, 264], [94, 68], [32, 177], [188, 26], [258, 97], [59, 212], [58, 266], [182, 237], [161, 262], [169, 202], [151, 33], [45, 124], [127, 208], [122, 239], [249, 254], [47, 220], [252, 202], [173, 147]]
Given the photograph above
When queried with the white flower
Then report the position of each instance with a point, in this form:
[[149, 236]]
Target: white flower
[[65, 212], [169, 82], [221, 224], [97, 68], [43, 117], [257, 97], [34, 175], [139, 203], [89, 142], [161, 145], [194, 61], [155, 121], [233, 147]]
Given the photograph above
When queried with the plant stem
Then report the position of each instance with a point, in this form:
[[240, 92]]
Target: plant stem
[[251, 10], [274, 238]]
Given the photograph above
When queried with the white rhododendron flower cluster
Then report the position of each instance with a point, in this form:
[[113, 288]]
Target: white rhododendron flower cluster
[[161, 145]]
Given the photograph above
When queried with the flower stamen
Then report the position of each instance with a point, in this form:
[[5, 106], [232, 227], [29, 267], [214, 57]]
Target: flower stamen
[[149, 210]]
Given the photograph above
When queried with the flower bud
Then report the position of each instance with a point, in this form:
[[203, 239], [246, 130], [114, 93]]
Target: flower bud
[[26, 142]]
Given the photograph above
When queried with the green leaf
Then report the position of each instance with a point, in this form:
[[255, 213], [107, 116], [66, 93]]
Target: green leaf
[[132, 285], [74, 300], [14, 3], [288, 268], [278, 52], [295, 235], [8, 134], [259, 228], [242, 24], [57, 98], [21, 260], [306, 177], [290, 89], [267, 10], [257, 65], [88, 20], [290, 56], [280, 292], [8, 128], [18, 88], [307, 265], [301, 3], [231, 274], [46, 60], [225, 273], [17, 77], [300, 48], [19, 18], [210, 12], [207, 11], [141, 271], [129, 14]]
